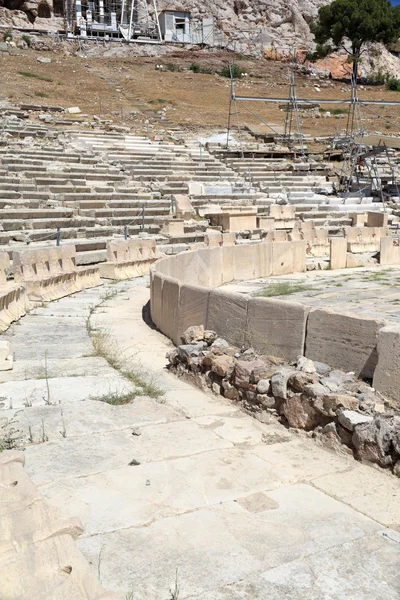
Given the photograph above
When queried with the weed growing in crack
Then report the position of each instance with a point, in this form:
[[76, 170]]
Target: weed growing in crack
[[64, 430], [149, 388], [175, 591], [134, 463], [9, 434], [45, 437], [47, 399], [115, 398], [105, 347]]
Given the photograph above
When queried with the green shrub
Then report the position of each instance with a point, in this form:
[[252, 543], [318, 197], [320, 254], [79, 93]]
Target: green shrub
[[196, 68], [26, 39], [393, 84], [379, 78], [7, 35], [231, 70]]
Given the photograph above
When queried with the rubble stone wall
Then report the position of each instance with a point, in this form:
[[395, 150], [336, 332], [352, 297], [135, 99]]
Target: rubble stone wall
[[185, 292]]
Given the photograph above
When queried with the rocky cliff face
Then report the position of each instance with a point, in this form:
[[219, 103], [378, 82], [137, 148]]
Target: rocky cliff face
[[247, 23]]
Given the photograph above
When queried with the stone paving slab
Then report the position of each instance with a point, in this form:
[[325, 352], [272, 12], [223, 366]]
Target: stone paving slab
[[369, 291], [174, 486], [346, 572], [219, 546]]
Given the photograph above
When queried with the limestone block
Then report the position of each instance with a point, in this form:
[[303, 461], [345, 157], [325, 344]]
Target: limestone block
[[264, 222], [156, 283], [4, 266], [276, 236], [244, 267], [338, 252], [276, 327], [343, 341], [288, 257], [6, 358], [262, 259], [213, 238], [278, 211], [195, 188], [169, 309], [389, 251], [187, 267], [183, 207], [364, 239], [359, 219], [227, 315], [166, 266], [299, 257], [173, 227], [209, 267], [228, 263], [193, 307], [377, 219], [228, 239], [387, 373], [235, 221]]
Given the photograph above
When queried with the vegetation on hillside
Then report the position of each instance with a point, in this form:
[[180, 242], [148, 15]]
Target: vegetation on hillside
[[351, 24]]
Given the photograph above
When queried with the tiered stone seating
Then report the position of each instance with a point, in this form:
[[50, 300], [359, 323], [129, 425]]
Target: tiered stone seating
[[14, 301], [364, 239], [51, 273], [128, 258]]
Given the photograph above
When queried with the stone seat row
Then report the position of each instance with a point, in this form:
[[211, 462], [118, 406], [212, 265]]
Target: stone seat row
[[46, 274], [51, 273]]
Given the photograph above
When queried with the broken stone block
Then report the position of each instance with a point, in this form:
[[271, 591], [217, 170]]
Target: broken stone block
[[73, 110], [330, 404], [351, 418]]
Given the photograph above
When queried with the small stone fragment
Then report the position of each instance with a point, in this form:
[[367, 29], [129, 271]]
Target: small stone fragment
[[305, 365]]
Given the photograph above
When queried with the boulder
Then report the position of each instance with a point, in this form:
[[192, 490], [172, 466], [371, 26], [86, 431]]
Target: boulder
[[300, 413], [186, 351], [279, 382], [193, 334], [210, 336], [229, 390], [220, 343], [299, 380], [263, 386], [222, 365], [266, 401], [243, 370], [373, 441]]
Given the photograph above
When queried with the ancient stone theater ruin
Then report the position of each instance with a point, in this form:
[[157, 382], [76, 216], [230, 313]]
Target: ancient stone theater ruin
[[200, 304]]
